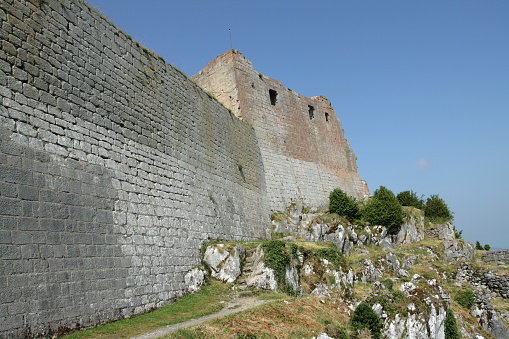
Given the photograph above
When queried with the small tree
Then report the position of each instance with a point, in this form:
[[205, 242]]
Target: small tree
[[365, 317], [342, 204], [478, 246], [384, 209], [451, 328], [487, 247], [436, 209], [465, 298], [410, 198]]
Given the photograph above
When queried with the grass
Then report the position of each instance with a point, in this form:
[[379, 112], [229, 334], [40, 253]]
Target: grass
[[207, 301], [288, 318]]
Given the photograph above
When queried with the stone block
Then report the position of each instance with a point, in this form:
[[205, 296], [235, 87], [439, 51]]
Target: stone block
[[10, 206]]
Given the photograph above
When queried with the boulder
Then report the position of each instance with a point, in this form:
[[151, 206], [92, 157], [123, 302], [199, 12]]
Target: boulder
[[224, 263], [455, 250], [194, 280]]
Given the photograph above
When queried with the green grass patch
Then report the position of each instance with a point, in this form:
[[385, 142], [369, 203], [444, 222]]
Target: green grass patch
[[206, 301]]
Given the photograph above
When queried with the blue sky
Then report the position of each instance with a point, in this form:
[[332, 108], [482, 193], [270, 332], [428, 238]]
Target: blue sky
[[421, 87]]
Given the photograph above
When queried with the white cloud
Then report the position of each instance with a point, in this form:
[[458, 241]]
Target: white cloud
[[424, 164]]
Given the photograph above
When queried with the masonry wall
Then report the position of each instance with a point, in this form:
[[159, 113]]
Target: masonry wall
[[305, 157], [114, 169], [491, 256]]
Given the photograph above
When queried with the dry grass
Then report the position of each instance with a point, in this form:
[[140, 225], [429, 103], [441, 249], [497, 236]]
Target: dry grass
[[291, 318]]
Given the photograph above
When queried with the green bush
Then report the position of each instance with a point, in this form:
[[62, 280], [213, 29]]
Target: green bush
[[384, 209], [334, 256], [465, 298], [478, 246], [365, 317], [276, 257], [436, 209], [451, 328], [342, 204], [410, 198], [487, 247]]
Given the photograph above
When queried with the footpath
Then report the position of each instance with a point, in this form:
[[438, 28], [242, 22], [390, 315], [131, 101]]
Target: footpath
[[233, 306]]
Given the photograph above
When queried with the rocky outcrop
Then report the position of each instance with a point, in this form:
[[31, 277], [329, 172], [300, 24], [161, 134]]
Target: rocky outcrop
[[425, 318], [487, 316], [224, 262], [441, 232], [458, 250], [261, 276]]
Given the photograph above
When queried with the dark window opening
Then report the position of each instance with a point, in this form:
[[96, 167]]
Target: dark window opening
[[326, 116], [311, 112], [273, 97]]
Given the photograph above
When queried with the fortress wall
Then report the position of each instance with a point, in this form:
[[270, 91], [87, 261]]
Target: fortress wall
[[114, 169], [304, 158]]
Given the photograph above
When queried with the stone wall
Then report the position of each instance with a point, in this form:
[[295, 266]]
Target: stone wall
[[491, 256], [304, 151], [114, 169]]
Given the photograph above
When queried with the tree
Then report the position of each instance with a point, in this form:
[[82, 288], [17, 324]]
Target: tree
[[487, 247], [451, 328], [436, 209], [478, 246], [365, 317], [342, 204], [410, 198], [383, 208]]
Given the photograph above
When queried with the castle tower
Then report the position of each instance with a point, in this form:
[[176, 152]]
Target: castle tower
[[304, 151]]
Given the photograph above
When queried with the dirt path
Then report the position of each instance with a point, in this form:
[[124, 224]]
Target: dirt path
[[233, 306]]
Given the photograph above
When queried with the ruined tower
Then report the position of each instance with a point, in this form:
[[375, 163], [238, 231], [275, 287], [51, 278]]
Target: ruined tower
[[304, 151]]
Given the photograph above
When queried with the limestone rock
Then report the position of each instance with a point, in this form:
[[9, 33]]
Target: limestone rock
[[323, 336], [410, 232], [261, 277], [194, 280], [321, 291], [369, 272], [441, 232], [224, 264], [458, 250], [392, 262], [487, 316]]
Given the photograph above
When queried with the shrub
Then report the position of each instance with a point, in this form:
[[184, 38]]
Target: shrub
[[465, 298], [487, 247], [451, 329], [410, 198], [384, 209], [458, 234], [337, 332], [334, 256], [388, 283], [364, 317], [342, 204], [436, 209], [478, 246]]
